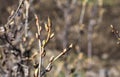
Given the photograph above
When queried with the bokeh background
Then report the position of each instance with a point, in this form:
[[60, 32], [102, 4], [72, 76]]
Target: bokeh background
[[86, 24]]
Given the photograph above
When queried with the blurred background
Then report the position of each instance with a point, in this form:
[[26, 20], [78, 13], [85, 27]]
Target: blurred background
[[86, 24]]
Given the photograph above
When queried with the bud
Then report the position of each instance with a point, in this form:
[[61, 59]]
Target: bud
[[52, 35], [36, 35], [43, 42], [2, 30], [71, 45], [24, 39], [43, 53], [46, 27], [49, 22], [49, 68], [111, 26], [51, 59]]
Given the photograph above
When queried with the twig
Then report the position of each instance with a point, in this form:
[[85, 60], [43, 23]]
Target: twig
[[16, 12], [49, 33], [26, 14], [40, 45], [44, 42], [52, 60], [91, 25], [82, 12]]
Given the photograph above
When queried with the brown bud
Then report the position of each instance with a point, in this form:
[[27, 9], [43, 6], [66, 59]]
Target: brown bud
[[43, 53], [51, 59], [49, 68]]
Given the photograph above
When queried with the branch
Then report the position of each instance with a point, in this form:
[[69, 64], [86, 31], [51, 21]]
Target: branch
[[52, 60], [40, 46], [16, 12]]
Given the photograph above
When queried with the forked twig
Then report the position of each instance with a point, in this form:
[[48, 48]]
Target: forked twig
[[53, 59]]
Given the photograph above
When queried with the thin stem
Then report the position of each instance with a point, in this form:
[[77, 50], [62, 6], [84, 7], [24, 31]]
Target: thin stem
[[26, 14], [16, 12], [52, 60], [82, 11], [40, 45], [40, 59]]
